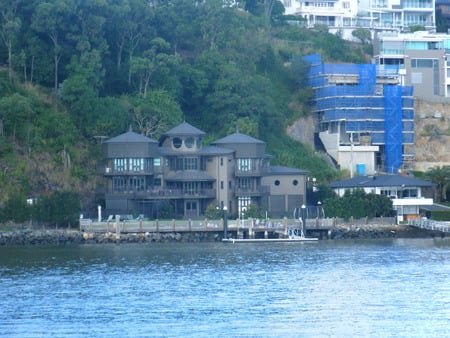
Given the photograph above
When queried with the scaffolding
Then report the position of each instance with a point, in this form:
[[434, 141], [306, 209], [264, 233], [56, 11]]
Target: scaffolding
[[367, 101]]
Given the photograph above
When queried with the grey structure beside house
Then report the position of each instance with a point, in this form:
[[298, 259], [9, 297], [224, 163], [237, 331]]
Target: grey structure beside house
[[179, 177]]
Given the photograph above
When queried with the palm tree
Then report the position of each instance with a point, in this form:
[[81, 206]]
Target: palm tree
[[440, 176]]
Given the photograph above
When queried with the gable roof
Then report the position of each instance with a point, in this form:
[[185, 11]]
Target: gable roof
[[184, 129], [381, 181], [237, 138], [131, 137]]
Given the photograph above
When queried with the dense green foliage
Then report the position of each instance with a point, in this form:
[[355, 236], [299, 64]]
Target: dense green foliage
[[358, 204], [62, 208], [72, 72]]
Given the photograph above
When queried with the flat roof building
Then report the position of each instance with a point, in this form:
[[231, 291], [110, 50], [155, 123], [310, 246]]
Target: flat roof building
[[423, 59]]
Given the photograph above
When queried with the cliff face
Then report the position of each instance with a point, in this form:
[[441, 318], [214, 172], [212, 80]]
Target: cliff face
[[432, 133]]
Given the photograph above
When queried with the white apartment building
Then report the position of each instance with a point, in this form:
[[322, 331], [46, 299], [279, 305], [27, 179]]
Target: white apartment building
[[378, 15], [399, 14], [333, 13]]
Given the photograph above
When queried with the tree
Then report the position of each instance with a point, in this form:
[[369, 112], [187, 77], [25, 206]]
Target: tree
[[153, 59], [59, 208], [440, 176], [362, 34], [356, 203], [10, 26], [16, 117], [155, 113], [50, 18], [15, 209]]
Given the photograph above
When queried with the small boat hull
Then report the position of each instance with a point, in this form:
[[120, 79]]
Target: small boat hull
[[271, 240]]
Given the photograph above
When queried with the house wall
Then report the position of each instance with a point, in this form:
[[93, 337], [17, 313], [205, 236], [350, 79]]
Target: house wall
[[426, 81]]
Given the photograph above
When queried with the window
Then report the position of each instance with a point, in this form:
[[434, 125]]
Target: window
[[421, 63], [277, 183], [118, 184], [136, 164], [189, 142], [177, 142], [295, 182], [221, 161], [190, 163], [221, 185], [120, 164], [157, 162], [244, 164]]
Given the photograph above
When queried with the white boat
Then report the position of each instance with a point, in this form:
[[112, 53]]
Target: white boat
[[293, 234]]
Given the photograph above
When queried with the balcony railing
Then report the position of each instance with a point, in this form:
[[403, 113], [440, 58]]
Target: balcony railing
[[164, 193], [251, 172], [254, 191], [111, 172]]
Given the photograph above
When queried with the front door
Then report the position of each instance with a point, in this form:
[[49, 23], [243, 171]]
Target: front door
[[191, 208]]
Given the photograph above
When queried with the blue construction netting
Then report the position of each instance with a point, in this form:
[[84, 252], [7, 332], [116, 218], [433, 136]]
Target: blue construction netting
[[358, 94], [393, 128], [408, 114], [352, 114]]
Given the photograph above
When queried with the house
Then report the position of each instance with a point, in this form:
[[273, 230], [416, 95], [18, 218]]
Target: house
[[422, 57], [178, 176], [408, 194]]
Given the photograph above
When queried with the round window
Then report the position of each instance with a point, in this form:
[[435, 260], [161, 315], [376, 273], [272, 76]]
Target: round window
[[295, 182], [277, 182], [189, 142], [177, 142]]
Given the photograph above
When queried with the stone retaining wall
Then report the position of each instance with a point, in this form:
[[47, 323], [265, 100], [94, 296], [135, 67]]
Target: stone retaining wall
[[57, 237]]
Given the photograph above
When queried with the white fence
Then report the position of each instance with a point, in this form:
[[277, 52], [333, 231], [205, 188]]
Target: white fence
[[431, 225]]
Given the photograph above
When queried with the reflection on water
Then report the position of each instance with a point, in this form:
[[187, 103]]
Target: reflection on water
[[330, 288]]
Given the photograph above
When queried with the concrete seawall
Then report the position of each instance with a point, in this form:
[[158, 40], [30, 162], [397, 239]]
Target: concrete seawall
[[59, 237]]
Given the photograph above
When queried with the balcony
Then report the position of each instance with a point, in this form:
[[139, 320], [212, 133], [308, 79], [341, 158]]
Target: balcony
[[253, 191], [111, 172], [163, 194], [251, 172]]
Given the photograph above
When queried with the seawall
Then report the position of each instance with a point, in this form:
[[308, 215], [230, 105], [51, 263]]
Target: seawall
[[60, 237]]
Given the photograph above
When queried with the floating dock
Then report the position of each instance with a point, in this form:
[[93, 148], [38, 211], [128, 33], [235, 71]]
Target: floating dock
[[272, 240]]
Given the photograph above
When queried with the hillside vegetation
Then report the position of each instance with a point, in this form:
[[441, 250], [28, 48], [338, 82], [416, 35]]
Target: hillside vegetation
[[73, 72]]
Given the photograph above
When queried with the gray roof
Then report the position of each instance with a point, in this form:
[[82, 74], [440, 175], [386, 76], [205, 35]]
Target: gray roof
[[381, 181], [190, 176], [185, 129], [204, 151], [211, 150], [281, 170], [237, 138], [131, 137], [435, 207]]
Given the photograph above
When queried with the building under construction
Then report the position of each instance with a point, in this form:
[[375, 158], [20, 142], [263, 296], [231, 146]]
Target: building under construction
[[366, 119]]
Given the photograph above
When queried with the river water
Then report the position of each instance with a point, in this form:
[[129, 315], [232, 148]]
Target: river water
[[377, 288]]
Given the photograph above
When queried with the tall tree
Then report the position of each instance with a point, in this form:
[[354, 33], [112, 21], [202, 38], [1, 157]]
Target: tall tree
[[10, 26], [50, 18]]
